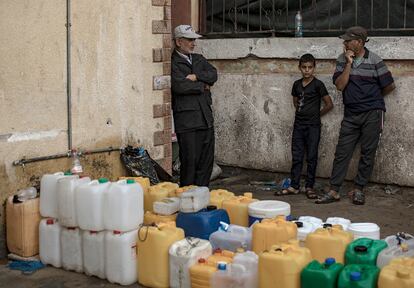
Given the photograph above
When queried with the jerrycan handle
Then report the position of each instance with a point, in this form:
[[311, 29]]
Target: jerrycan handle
[[143, 226]]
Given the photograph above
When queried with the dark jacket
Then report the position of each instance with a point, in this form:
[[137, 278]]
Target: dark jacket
[[191, 102]]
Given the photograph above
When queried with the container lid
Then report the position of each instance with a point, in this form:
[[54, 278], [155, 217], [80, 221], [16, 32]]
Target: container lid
[[103, 180], [221, 265], [329, 261], [93, 232], [268, 209], [404, 247], [211, 207], [67, 173], [201, 260], [50, 221], [361, 249], [130, 181], [117, 232], [299, 224], [355, 276], [327, 225]]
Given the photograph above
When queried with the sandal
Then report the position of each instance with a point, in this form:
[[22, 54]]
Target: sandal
[[328, 198], [310, 193], [358, 197], [288, 191]]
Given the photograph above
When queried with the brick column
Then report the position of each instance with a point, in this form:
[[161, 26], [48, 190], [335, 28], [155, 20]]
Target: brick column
[[162, 82]]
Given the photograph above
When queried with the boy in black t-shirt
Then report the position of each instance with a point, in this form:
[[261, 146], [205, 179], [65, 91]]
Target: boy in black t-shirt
[[307, 94]]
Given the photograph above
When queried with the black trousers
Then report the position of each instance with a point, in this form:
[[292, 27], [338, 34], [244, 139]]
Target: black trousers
[[305, 138], [196, 157], [365, 127]]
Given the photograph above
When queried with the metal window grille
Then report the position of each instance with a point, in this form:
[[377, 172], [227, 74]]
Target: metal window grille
[[238, 18]]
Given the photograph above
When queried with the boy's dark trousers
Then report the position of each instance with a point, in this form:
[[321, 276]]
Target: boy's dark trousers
[[305, 138], [365, 127]]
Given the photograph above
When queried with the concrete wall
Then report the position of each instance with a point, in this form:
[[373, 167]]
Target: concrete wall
[[254, 112], [114, 97]]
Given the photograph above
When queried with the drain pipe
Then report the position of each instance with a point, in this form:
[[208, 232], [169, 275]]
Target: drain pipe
[[68, 75]]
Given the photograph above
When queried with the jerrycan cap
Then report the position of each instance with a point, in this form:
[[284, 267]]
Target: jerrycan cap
[[67, 173], [116, 232], [211, 207], [361, 249], [50, 221], [404, 247], [299, 224], [355, 276], [103, 180], [221, 265], [130, 181], [93, 232], [217, 251], [327, 225], [201, 260], [329, 261], [403, 273]]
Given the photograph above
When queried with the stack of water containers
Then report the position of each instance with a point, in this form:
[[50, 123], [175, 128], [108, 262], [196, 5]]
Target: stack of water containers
[[196, 218], [91, 225]]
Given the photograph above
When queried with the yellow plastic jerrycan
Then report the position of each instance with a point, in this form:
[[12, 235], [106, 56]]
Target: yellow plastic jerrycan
[[177, 192], [280, 267], [272, 231], [399, 273], [158, 192], [237, 209], [201, 273], [152, 253], [218, 196], [151, 217], [329, 242]]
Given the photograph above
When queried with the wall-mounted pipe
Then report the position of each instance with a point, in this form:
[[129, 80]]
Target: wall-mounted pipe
[[68, 74], [68, 154]]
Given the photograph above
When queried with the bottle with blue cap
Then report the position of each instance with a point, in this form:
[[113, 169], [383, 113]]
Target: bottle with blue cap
[[358, 276], [317, 274]]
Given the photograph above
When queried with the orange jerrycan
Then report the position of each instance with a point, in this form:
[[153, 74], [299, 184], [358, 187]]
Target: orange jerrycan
[[237, 209], [157, 193], [218, 196], [329, 242], [202, 272], [281, 266], [152, 249], [177, 192], [151, 217], [398, 274], [272, 231]]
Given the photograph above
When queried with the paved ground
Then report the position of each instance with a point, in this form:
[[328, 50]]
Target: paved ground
[[391, 207]]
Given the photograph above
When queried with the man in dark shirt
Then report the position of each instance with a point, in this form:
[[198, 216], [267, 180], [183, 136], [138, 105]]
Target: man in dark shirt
[[191, 79], [307, 94], [364, 80]]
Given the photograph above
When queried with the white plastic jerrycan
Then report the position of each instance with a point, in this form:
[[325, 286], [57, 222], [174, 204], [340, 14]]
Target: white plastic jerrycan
[[306, 225], [339, 221], [66, 188], [194, 199], [93, 250], [123, 206], [49, 242], [90, 204], [167, 206], [365, 230], [400, 245], [121, 257], [250, 261], [232, 275], [48, 194], [184, 254], [71, 249], [231, 237]]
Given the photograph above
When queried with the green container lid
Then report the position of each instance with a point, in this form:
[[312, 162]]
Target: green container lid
[[103, 180], [130, 181], [317, 275], [67, 173], [358, 276], [364, 251]]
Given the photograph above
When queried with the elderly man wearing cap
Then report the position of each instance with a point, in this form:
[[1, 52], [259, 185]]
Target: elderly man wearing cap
[[364, 80], [191, 79]]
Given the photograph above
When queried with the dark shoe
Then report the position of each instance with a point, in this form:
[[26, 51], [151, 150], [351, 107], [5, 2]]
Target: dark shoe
[[310, 193], [288, 191], [329, 197], [358, 197]]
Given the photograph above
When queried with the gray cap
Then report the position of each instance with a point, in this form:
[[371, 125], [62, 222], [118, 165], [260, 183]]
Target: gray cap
[[355, 33], [185, 31]]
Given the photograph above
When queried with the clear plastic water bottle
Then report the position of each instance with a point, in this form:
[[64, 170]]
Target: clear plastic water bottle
[[298, 25], [77, 167]]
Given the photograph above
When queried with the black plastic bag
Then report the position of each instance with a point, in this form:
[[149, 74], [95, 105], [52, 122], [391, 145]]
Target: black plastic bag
[[139, 163]]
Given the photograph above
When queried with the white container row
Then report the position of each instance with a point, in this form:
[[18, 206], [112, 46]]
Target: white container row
[[308, 224], [105, 254], [92, 205]]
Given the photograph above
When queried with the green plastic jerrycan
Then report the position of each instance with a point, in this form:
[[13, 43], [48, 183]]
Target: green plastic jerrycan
[[317, 275], [364, 251], [358, 276]]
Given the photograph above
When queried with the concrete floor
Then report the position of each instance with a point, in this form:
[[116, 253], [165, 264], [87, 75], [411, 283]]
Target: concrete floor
[[392, 211]]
